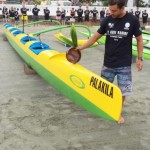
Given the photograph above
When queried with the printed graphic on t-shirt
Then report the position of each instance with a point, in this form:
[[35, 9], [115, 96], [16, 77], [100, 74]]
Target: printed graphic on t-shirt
[[118, 34]]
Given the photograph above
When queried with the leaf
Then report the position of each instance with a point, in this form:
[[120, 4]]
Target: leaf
[[66, 40], [74, 36]]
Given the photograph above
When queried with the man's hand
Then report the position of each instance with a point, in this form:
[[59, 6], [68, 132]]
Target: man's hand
[[79, 48], [139, 64]]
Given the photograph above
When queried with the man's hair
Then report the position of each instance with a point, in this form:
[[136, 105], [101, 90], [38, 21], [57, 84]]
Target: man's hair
[[119, 3]]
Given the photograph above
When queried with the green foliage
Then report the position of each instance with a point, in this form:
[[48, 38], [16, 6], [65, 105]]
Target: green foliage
[[105, 2], [140, 3], [38, 2], [88, 1], [74, 41], [66, 40], [73, 34]]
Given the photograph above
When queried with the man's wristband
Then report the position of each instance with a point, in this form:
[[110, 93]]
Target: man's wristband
[[140, 58]]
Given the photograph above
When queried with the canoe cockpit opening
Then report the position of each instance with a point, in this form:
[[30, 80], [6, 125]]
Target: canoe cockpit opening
[[38, 47], [17, 32], [7, 25], [13, 29], [27, 38]]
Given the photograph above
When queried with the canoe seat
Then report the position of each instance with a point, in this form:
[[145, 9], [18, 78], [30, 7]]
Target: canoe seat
[[7, 25], [38, 47], [17, 32], [26, 39], [13, 29]]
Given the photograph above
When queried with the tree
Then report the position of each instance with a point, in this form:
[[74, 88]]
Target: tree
[[140, 3], [87, 1], [38, 2], [105, 2]]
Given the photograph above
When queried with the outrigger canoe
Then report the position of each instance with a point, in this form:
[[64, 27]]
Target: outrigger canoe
[[146, 42], [102, 40], [77, 83]]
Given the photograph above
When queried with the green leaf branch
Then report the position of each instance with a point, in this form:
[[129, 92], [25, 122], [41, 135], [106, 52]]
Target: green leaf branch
[[74, 40]]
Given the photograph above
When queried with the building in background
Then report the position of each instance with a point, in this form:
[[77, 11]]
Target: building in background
[[2, 1]]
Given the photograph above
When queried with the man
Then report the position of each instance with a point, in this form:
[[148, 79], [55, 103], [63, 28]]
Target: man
[[35, 12], [131, 11], [46, 14], [72, 15], [86, 14], [137, 13], [16, 17], [80, 13], [24, 16], [95, 13], [5, 14], [144, 18], [11, 15], [102, 13], [107, 13], [119, 28]]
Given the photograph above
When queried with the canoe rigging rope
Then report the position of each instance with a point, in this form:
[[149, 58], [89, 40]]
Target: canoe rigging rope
[[40, 41]]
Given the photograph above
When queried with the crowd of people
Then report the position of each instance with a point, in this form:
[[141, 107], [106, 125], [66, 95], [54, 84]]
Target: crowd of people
[[144, 15], [12, 15], [79, 15]]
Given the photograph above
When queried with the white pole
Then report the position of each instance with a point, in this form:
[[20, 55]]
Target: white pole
[[130, 3]]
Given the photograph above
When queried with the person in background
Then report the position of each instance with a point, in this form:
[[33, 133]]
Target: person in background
[[131, 11], [87, 15], [5, 14], [144, 18], [80, 13], [72, 15], [95, 14], [16, 17], [63, 16], [58, 14], [11, 15], [35, 12], [137, 13], [107, 13], [119, 28], [102, 13], [46, 14], [24, 16], [78, 3]]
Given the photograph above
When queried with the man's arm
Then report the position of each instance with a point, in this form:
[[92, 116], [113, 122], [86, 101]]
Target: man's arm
[[140, 51], [90, 42]]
